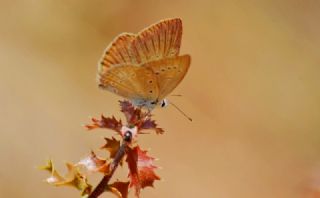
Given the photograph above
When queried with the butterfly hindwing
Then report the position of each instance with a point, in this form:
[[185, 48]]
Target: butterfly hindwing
[[161, 40], [169, 73], [131, 81]]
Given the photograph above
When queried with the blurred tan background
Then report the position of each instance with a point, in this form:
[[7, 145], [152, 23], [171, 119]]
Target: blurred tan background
[[253, 91]]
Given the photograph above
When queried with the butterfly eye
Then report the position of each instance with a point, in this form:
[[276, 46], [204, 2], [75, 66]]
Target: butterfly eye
[[164, 103]]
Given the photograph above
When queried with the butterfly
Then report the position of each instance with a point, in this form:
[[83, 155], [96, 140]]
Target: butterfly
[[145, 67]]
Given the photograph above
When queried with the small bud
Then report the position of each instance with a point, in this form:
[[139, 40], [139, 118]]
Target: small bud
[[127, 136], [133, 131]]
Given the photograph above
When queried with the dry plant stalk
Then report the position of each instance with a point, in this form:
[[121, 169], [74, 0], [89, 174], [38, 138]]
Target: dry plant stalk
[[124, 151]]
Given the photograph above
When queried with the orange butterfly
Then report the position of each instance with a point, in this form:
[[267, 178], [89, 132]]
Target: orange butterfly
[[145, 67]]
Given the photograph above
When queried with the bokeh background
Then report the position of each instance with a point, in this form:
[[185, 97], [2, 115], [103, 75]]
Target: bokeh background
[[253, 91]]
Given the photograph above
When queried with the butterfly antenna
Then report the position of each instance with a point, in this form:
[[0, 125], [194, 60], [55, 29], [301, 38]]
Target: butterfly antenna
[[175, 106]]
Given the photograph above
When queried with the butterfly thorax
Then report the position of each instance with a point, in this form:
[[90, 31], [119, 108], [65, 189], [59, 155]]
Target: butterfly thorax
[[149, 104]]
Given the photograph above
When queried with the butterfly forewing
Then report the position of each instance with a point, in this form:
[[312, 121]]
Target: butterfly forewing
[[118, 52], [169, 73], [158, 41], [132, 82]]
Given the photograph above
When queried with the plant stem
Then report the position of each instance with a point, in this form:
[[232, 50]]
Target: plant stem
[[101, 187]]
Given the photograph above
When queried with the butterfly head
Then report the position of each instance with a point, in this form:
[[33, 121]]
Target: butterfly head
[[164, 103]]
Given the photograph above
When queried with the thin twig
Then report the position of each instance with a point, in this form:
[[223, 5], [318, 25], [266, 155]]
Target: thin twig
[[101, 187]]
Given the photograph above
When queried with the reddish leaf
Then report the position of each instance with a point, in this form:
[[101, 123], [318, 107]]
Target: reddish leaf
[[151, 124], [120, 189], [143, 159], [141, 169], [146, 168], [133, 115], [127, 108], [147, 176], [132, 160], [109, 123], [112, 145]]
